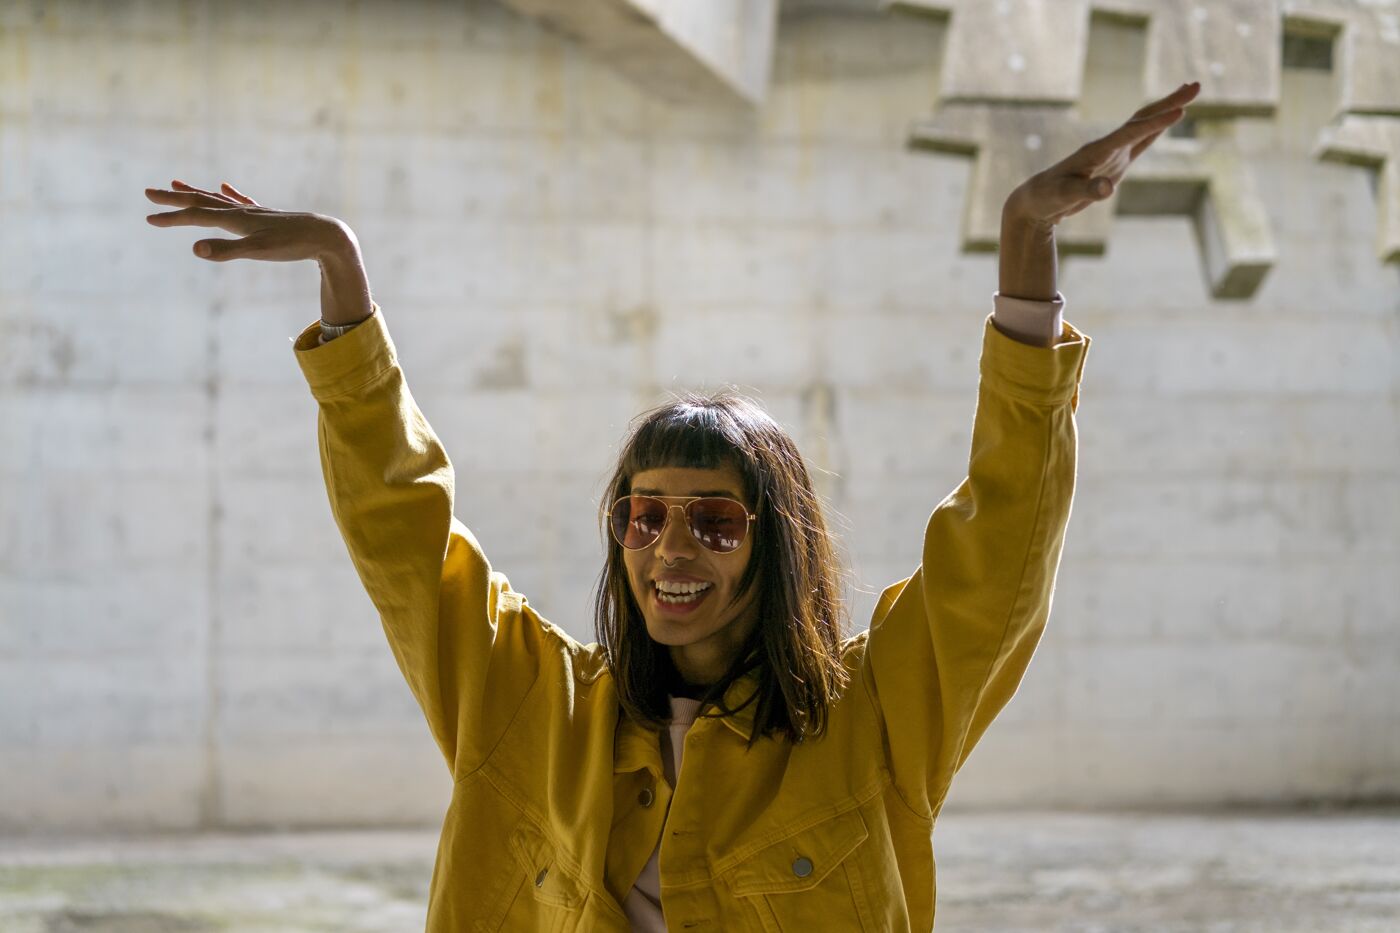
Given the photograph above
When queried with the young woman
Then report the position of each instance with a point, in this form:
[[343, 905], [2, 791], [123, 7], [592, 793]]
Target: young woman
[[722, 758]]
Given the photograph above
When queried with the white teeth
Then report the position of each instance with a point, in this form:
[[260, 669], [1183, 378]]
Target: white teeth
[[667, 598], [679, 593], [667, 586]]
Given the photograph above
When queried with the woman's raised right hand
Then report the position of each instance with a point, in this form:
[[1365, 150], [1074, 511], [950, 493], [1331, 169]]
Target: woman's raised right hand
[[271, 235]]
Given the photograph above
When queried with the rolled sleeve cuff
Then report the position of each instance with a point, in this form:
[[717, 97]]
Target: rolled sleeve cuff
[[1046, 375], [348, 362]]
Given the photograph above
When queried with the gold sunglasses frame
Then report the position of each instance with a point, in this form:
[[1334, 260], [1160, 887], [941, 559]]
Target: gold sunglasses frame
[[684, 502]]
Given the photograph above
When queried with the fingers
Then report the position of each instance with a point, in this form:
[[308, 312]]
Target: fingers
[[1075, 190], [1092, 173], [181, 186], [1142, 144], [1134, 132], [1150, 121], [223, 250], [228, 193], [238, 195], [270, 235], [177, 183], [1178, 98], [190, 199], [224, 217], [187, 198]]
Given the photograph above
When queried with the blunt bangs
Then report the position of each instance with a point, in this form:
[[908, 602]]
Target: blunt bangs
[[700, 436]]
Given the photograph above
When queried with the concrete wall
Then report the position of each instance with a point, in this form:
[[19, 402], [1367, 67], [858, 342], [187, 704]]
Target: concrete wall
[[182, 640]]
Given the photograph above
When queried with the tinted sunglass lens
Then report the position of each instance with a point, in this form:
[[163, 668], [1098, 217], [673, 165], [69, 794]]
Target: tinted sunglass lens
[[637, 520], [719, 524]]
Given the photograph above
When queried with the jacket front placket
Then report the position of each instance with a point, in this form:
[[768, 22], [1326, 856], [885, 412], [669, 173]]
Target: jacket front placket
[[689, 899], [641, 799]]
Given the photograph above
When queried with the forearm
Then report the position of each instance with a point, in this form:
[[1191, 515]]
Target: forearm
[[390, 485], [1026, 263]]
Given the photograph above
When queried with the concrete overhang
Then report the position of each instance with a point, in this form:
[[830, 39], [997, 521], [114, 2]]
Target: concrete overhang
[[681, 50]]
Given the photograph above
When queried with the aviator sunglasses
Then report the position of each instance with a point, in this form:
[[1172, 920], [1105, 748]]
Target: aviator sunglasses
[[720, 524]]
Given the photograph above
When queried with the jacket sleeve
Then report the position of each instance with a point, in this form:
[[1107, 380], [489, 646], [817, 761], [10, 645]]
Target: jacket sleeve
[[949, 645], [390, 485]]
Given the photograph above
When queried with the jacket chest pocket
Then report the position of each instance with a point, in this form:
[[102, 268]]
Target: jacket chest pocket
[[543, 894], [809, 881]]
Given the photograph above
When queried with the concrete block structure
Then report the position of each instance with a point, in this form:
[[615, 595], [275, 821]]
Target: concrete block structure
[[557, 245], [683, 51]]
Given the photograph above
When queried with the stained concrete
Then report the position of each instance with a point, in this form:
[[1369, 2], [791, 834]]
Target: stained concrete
[[1224, 872], [183, 643]]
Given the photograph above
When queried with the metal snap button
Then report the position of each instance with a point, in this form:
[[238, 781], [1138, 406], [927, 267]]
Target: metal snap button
[[539, 879], [802, 867], [645, 797]]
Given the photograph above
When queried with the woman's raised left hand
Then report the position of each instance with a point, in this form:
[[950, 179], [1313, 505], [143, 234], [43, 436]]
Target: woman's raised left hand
[[1092, 172]]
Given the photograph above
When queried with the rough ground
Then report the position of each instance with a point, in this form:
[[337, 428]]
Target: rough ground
[[1298, 872]]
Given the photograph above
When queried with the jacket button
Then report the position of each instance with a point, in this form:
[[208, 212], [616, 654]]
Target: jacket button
[[802, 867], [539, 879], [645, 797]]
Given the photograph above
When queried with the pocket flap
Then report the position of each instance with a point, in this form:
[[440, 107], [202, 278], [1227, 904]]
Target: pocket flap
[[803, 859], [546, 878]]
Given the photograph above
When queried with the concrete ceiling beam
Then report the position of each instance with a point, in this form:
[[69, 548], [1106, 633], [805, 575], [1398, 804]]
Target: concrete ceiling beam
[[683, 51]]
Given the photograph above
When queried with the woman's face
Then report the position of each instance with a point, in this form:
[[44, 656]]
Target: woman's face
[[706, 634]]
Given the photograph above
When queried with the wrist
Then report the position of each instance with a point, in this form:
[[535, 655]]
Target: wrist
[[338, 247], [1016, 219], [345, 295], [1027, 260]]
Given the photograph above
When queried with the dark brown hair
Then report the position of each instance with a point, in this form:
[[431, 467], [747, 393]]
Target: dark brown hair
[[795, 647]]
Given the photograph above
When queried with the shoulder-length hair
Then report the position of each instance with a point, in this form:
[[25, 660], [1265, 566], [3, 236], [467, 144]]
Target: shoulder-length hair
[[794, 650]]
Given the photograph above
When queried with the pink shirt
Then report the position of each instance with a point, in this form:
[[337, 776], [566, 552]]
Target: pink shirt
[[643, 903]]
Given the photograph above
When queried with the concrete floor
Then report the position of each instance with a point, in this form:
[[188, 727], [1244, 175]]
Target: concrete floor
[[1278, 872]]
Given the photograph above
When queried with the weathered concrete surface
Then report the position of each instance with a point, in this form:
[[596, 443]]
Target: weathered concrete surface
[[1365, 129], [1027, 51], [1375, 143], [1217, 872], [1231, 46], [1035, 872], [1208, 179], [182, 640], [1033, 51], [1366, 35]]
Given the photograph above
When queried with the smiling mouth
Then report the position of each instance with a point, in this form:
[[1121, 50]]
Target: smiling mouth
[[680, 599]]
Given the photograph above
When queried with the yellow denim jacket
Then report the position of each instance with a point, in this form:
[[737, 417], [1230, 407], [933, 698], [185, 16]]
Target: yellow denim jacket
[[558, 801]]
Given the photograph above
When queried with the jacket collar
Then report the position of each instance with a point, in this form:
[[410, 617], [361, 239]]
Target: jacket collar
[[737, 695], [636, 747]]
